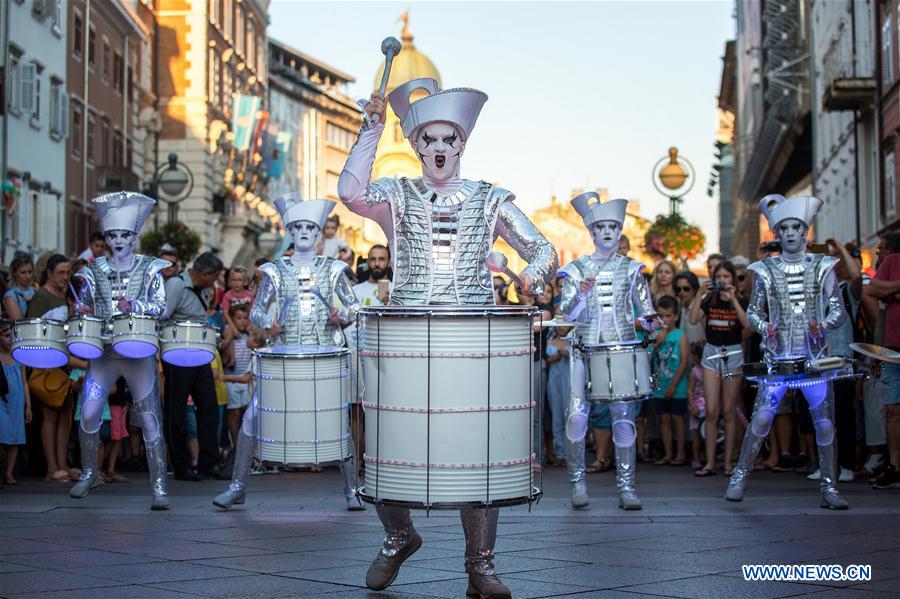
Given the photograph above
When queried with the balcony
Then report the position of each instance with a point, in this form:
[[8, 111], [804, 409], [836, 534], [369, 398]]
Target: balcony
[[116, 178], [848, 81]]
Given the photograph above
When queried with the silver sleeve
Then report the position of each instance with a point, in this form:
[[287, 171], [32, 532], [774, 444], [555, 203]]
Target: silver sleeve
[[260, 313], [835, 314], [154, 302], [757, 315], [347, 312], [521, 234], [354, 189], [643, 301], [572, 303]]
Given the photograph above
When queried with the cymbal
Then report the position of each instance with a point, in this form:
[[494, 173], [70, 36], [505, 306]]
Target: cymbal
[[876, 351], [722, 356]]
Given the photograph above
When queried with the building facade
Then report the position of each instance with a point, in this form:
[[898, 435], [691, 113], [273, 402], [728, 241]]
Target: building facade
[[845, 140], [888, 109], [35, 126], [109, 57], [208, 52]]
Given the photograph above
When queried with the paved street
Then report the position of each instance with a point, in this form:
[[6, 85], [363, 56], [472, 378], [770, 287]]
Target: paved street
[[293, 540]]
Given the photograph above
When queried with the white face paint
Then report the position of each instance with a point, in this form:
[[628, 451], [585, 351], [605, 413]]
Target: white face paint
[[305, 233], [792, 234], [439, 147], [121, 244], [605, 234]]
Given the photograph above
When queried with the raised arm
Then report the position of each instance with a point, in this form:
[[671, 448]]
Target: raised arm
[[521, 234]]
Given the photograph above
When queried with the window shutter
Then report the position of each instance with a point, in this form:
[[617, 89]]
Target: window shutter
[[29, 72], [49, 215], [64, 114]]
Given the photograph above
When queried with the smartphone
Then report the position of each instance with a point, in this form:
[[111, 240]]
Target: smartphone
[[383, 286], [820, 248]]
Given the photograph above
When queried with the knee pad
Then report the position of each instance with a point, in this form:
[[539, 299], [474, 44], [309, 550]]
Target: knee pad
[[92, 406], [761, 423], [623, 433], [824, 431], [149, 419]]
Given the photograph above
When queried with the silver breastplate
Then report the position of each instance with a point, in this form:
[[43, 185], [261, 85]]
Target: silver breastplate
[[444, 227], [795, 291]]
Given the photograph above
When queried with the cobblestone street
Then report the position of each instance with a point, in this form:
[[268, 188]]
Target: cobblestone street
[[293, 539]]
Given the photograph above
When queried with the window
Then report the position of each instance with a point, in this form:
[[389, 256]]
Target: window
[[215, 78], [77, 34], [117, 149], [890, 189], [106, 59], [31, 92], [92, 39], [56, 15], [228, 16], [104, 142], [887, 53], [251, 44], [215, 11], [129, 149], [76, 130], [89, 133], [239, 28], [339, 137], [59, 109], [14, 81], [118, 67]]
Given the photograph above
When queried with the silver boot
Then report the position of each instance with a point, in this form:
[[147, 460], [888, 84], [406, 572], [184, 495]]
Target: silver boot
[[90, 475], [150, 413], [831, 498], [348, 473], [749, 451], [575, 465], [235, 494], [625, 465]]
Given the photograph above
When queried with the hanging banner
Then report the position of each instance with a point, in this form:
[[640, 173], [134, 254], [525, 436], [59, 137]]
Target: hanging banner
[[282, 145], [243, 118]]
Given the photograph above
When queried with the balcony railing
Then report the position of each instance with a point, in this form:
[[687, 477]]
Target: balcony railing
[[848, 81], [116, 178]]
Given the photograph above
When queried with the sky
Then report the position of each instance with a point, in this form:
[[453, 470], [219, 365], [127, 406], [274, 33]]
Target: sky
[[581, 94]]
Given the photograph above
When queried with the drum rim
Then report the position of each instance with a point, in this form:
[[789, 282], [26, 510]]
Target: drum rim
[[185, 323], [85, 317], [623, 346], [450, 311], [50, 321], [536, 494], [125, 315], [266, 353]]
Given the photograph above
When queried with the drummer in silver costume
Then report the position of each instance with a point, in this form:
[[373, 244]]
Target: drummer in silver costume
[[440, 229], [795, 300], [295, 304], [600, 294], [124, 283]]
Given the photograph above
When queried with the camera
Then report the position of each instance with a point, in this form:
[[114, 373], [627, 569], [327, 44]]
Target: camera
[[717, 286]]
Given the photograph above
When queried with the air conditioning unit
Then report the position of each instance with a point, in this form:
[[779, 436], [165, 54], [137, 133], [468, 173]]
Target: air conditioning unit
[[41, 8]]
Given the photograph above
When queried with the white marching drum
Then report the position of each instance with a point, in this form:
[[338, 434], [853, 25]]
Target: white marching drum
[[134, 336], [39, 343], [448, 405], [187, 343], [84, 336], [303, 411], [619, 372]]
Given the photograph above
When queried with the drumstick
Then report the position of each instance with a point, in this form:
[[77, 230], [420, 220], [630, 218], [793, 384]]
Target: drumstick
[[282, 315], [75, 294]]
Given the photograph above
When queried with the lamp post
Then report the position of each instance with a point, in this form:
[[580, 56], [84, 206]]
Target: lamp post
[[673, 176], [172, 183]]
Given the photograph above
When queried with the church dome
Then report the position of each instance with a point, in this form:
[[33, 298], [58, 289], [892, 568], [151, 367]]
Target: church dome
[[408, 64]]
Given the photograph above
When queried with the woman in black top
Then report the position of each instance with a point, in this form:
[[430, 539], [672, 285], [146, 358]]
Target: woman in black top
[[725, 321]]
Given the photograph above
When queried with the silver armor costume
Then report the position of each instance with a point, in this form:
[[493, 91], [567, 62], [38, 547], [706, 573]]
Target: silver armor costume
[[440, 230], [790, 293], [605, 315], [311, 291], [101, 287]]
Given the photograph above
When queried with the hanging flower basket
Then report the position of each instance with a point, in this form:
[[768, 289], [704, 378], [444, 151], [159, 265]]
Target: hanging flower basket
[[185, 241], [674, 238], [11, 190]]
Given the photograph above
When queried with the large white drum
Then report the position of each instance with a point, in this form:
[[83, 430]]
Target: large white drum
[[134, 336], [448, 405], [84, 336], [619, 372], [303, 395], [39, 343], [187, 343]]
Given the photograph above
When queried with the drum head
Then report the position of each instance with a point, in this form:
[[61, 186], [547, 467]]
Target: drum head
[[40, 356], [85, 351], [187, 356], [134, 349]]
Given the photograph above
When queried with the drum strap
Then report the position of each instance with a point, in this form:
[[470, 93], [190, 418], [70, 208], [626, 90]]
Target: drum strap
[[199, 297]]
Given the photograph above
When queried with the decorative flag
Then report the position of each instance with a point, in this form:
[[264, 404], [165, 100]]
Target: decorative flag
[[243, 118], [282, 145]]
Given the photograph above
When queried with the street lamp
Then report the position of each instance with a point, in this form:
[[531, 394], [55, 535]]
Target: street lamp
[[176, 181], [673, 176]]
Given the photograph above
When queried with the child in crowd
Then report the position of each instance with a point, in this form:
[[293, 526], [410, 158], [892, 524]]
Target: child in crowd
[[697, 401], [237, 293], [15, 301], [238, 350], [15, 402], [671, 361], [119, 398], [218, 372], [240, 385]]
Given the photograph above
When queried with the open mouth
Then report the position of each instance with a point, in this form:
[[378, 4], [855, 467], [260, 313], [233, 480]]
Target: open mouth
[[439, 160]]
